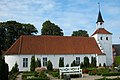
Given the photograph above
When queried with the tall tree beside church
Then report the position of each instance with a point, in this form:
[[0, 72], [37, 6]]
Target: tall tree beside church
[[80, 33], [13, 30], [49, 28], [3, 66]]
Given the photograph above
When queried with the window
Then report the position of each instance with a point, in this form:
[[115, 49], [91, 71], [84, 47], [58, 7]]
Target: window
[[45, 61], [101, 38], [106, 38], [25, 62], [77, 60], [62, 59]]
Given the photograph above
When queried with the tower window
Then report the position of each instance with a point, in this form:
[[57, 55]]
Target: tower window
[[100, 38], [106, 38]]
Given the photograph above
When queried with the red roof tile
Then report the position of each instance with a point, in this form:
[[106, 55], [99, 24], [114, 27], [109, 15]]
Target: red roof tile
[[54, 45], [101, 31]]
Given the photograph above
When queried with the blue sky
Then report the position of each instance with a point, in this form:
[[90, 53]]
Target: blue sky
[[69, 15]]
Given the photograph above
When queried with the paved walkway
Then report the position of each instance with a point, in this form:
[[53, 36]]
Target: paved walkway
[[19, 77], [85, 77]]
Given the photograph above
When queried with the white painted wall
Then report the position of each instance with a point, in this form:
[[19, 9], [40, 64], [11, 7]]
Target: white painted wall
[[101, 60], [68, 59], [105, 46]]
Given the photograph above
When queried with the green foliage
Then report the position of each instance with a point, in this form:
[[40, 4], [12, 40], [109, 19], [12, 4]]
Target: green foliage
[[111, 74], [86, 62], [67, 65], [50, 28], [14, 72], [61, 62], [81, 65], [34, 76], [14, 69], [38, 63], [43, 75], [117, 60], [80, 33], [49, 66], [3, 68], [93, 61], [12, 30], [74, 64], [32, 65]]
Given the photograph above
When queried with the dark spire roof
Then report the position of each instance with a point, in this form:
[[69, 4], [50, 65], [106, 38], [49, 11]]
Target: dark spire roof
[[99, 19]]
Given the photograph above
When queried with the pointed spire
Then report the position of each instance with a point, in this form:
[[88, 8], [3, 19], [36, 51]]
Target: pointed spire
[[99, 19]]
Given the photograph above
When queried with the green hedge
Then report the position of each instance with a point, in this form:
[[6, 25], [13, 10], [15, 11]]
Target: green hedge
[[111, 74]]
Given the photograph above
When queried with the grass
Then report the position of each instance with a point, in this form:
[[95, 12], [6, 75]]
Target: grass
[[117, 60]]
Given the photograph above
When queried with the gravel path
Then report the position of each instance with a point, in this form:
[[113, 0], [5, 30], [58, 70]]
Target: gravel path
[[85, 77], [19, 76]]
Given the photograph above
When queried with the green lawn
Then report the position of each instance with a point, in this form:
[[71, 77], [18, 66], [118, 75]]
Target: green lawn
[[117, 60]]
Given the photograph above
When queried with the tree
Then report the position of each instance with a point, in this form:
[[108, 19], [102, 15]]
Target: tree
[[81, 65], [86, 62], [32, 65], [38, 63], [73, 63], [61, 62], [49, 28], [93, 61], [12, 30], [3, 66], [80, 33], [49, 66]]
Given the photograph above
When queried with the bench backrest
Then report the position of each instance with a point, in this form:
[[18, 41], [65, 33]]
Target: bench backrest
[[70, 69]]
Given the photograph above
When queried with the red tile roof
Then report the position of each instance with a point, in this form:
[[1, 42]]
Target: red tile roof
[[54, 45], [101, 31]]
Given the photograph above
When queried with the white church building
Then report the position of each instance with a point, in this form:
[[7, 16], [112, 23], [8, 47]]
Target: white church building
[[68, 48]]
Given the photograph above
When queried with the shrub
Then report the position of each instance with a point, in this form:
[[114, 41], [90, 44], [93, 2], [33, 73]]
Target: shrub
[[49, 65], [61, 62], [92, 72], [38, 63], [14, 72], [86, 62], [32, 66], [43, 75], [85, 71], [111, 74]]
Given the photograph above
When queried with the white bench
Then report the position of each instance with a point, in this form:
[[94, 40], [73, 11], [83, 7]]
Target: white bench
[[70, 70]]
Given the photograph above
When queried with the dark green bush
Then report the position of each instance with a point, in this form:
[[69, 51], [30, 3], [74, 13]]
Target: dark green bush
[[92, 73], [49, 65], [111, 74]]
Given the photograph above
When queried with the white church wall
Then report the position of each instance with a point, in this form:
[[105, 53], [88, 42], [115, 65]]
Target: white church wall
[[11, 60], [68, 59], [101, 60], [106, 46]]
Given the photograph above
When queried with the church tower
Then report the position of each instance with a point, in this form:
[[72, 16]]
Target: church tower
[[104, 39]]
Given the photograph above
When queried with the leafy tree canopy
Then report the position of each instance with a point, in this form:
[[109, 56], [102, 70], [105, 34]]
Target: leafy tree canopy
[[49, 28], [80, 33], [11, 30]]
